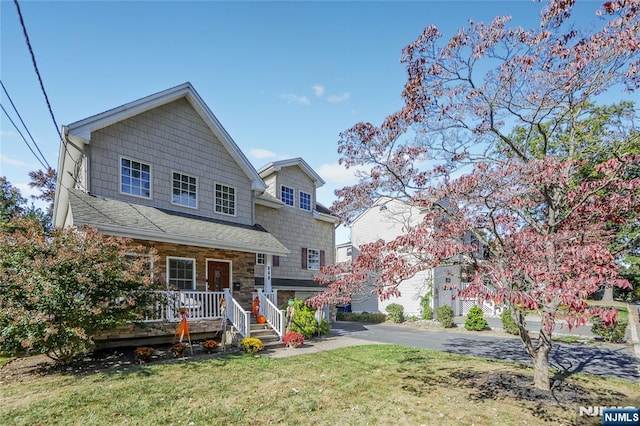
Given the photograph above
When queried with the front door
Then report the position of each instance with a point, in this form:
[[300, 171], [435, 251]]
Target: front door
[[218, 275]]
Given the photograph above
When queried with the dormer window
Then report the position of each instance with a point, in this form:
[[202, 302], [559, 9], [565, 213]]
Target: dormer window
[[305, 201], [286, 195]]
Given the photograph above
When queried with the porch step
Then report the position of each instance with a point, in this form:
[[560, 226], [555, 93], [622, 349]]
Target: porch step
[[266, 334]]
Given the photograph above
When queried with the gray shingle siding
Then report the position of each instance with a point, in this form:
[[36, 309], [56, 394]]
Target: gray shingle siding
[[172, 137]]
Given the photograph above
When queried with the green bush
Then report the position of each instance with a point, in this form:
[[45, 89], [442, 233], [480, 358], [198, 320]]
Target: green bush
[[475, 319], [361, 317], [304, 321], [613, 333], [508, 323], [425, 304], [445, 316], [396, 313]]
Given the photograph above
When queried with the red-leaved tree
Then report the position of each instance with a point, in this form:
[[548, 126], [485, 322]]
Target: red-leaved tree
[[476, 148]]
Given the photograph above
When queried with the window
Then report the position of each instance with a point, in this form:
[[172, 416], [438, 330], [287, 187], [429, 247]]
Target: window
[[259, 258], [135, 178], [305, 201], [184, 190], [225, 199], [181, 273], [313, 259], [286, 195]]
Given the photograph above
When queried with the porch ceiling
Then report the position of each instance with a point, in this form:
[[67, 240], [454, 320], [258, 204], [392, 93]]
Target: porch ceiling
[[124, 219]]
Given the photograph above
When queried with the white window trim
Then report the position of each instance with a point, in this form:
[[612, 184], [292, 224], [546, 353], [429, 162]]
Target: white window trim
[[310, 200], [293, 198], [309, 250], [120, 158], [193, 281], [235, 199], [263, 259], [197, 189]]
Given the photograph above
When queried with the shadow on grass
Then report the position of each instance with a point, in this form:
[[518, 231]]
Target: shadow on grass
[[567, 359]]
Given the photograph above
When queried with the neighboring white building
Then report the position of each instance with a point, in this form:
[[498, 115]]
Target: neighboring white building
[[387, 219]]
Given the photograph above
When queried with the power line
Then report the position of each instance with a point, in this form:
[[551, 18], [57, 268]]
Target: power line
[[25, 127], [24, 139], [35, 66]]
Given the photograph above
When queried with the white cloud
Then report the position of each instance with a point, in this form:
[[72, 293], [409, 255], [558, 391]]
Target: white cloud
[[16, 163], [261, 154], [338, 175], [26, 191], [318, 90], [342, 97], [292, 98]]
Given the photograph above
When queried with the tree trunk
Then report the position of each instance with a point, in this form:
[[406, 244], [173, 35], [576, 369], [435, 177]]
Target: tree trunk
[[607, 296], [541, 378]]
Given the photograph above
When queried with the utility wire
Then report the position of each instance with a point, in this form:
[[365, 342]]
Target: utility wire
[[35, 66], [25, 139], [25, 126]]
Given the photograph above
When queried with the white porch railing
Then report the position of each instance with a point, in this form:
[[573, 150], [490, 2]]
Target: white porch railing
[[200, 305], [488, 306], [274, 316], [238, 316]]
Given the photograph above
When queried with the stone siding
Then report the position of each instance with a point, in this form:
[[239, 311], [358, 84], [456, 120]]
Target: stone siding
[[242, 266]]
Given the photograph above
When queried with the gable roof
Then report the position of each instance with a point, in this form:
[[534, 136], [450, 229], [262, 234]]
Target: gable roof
[[120, 218], [78, 134], [275, 166]]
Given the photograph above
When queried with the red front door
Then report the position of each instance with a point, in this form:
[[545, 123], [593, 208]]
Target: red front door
[[218, 275]]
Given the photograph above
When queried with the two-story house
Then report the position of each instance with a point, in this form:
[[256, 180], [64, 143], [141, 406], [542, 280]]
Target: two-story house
[[386, 219], [163, 171]]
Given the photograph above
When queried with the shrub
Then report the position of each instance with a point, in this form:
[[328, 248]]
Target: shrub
[[304, 321], [293, 339], [475, 319], [508, 323], [361, 317], [251, 345], [445, 316], [613, 333], [396, 313], [57, 291], [209, 346], [143, 353], [425, 304]]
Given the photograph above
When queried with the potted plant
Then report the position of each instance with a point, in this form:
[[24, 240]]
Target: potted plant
[[251, 345], [293, 339], [143, 354], [178, 349], [209, 346]]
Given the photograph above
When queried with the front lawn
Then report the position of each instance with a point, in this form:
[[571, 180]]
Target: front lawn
[[377, 384]]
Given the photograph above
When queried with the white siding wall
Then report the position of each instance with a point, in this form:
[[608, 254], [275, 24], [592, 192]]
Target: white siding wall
[[387, 220], [172, 137]]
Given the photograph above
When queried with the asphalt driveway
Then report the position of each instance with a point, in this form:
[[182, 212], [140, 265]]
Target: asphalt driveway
[[604, 360]]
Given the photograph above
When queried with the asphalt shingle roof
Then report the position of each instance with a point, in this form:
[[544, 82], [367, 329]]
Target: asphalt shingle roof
[[144, 222]]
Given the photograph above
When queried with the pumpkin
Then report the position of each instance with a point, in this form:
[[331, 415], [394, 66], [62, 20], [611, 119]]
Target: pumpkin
[[261, 319]]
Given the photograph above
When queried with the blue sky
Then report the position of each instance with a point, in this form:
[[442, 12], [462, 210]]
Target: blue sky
[[284, 78]]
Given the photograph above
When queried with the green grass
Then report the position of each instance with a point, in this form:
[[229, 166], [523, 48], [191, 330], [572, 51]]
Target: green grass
[[377, 384], [4, 360], [623, 313]]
